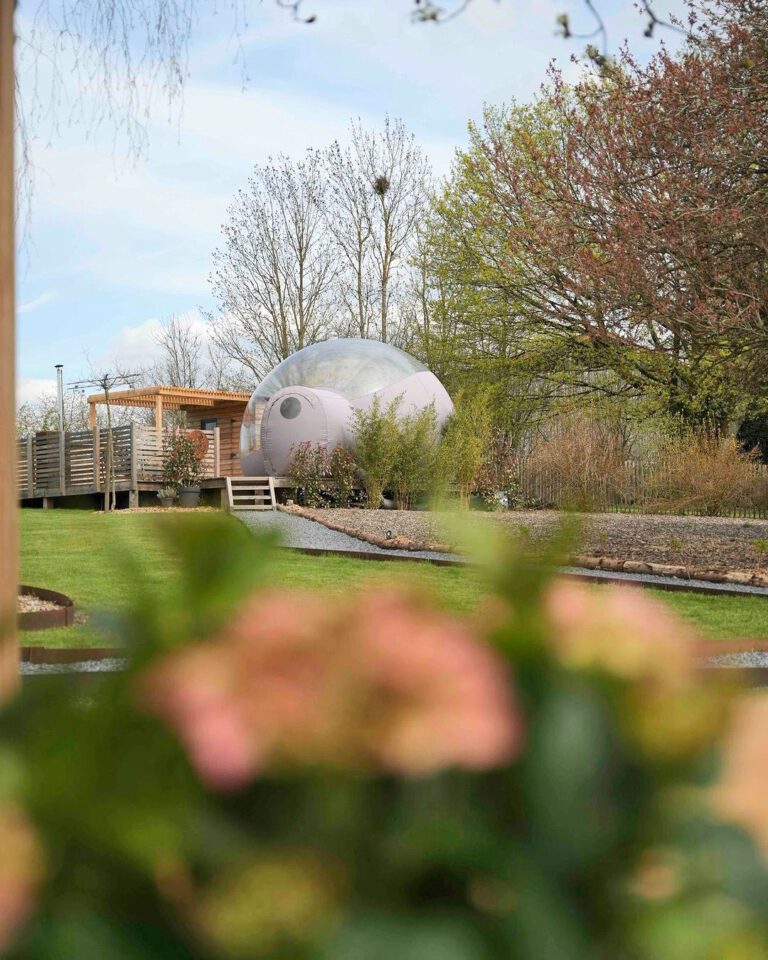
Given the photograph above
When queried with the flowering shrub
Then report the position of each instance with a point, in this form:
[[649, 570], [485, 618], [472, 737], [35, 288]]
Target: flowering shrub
[[296, 777], [498, 482], [183, 454], [323, 479]]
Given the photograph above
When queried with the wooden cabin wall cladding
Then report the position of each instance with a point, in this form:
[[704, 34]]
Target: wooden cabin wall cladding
[[229, 419]]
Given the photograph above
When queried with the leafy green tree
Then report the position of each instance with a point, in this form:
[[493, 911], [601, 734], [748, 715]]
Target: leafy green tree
[[468, 321], [623, 222]]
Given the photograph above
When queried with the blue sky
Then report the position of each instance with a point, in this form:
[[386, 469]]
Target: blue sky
[[114, 246]]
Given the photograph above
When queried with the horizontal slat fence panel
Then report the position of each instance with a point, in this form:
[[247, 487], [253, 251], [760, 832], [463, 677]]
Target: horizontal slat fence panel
[[24, 468], [38, 459]]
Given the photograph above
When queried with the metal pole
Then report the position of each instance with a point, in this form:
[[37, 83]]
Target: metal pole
[[9, 652], [60, 394], [62, 435]]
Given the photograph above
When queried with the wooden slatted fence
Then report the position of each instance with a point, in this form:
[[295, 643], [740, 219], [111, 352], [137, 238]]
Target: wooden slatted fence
[[542, 487], [48, 465]]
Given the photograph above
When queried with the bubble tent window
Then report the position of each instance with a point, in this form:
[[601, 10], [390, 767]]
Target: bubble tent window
[[290, 408]]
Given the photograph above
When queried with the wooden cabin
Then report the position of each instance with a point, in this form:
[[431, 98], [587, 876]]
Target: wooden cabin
[[208, 410], [51, 465]]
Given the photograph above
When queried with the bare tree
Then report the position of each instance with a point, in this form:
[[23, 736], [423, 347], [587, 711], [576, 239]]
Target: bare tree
[[392, 176], [182, 362], [349, 216], [274, 274]]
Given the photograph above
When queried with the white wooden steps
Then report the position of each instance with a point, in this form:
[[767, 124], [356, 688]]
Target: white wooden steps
[[251, 493]]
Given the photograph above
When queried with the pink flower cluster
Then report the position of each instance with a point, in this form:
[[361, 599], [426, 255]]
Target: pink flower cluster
[[380, 682], [621, 631]]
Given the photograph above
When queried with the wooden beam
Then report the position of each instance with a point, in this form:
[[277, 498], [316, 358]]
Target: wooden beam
[[91, 415], [216, 452], [9, 651]]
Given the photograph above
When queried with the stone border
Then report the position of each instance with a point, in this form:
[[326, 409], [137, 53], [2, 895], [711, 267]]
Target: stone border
[[62, 616], [745, 578]]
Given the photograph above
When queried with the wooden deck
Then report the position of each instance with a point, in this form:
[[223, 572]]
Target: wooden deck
[[51, 466]]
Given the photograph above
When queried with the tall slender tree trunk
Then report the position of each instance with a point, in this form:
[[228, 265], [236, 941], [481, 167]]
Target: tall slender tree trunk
[[9, 655]]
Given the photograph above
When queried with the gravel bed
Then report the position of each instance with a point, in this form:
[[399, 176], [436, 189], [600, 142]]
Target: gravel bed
[[714, 543], [747, 658], [306, 534], [28, 603]]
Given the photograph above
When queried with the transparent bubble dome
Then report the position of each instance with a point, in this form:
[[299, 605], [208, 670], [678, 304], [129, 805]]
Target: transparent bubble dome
[[352, 367]]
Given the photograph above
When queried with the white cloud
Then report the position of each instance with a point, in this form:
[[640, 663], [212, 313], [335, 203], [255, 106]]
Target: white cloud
[[30, 389], [31, 305], [135, 347]]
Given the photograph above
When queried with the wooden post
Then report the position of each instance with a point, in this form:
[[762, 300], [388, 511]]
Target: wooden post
[[9, 653], [92, 416], [134, 458], [96, 458], [216, 452], [159, 415], [30, 467], [159, 423]]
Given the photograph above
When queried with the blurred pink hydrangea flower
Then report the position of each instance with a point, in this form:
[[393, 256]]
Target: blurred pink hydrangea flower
[[667, 705], [21, 867], [740, 795], [380, 682], [621, 631]]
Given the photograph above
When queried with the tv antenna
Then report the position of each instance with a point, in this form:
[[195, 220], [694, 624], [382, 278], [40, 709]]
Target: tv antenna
[[107, 382]]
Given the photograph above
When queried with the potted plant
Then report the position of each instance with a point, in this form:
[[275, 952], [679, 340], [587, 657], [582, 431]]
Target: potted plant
[[166, 496], [184, 452]]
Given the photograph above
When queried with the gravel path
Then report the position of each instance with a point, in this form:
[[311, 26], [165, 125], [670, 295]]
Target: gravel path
[[713, 543], [109, 665], [748, 658], [299, 532]]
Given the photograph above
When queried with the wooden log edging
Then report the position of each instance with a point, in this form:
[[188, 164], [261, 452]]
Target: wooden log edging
[[742, 578]]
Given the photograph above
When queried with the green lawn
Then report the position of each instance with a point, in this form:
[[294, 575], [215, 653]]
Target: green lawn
[[82, 553]]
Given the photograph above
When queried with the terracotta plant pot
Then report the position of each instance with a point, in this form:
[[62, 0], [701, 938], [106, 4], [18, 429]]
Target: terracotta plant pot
[[189, 496]]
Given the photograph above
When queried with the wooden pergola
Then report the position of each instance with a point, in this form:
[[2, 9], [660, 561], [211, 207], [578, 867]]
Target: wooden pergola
[[164, 398]]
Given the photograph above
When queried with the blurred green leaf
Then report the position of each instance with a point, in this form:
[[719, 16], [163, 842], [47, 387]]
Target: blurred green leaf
[[404, 937]]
